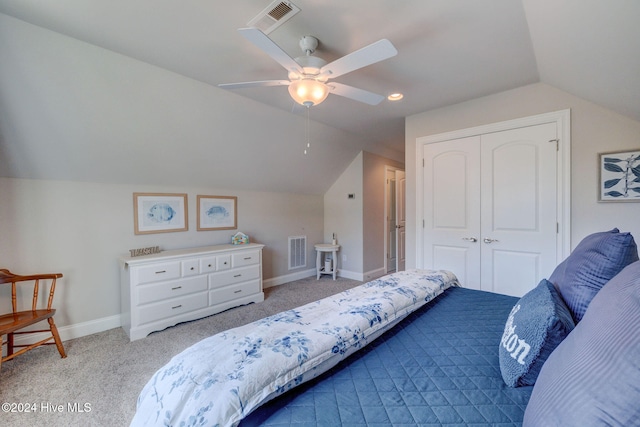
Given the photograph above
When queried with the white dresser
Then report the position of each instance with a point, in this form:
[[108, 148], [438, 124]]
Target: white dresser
[[162, 290]]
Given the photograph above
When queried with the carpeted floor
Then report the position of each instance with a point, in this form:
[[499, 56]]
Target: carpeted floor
[[99, 381]]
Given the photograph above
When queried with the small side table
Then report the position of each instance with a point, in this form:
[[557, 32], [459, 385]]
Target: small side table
[[326, 248]]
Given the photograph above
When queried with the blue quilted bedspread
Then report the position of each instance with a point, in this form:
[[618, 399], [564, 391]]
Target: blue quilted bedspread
[[439, 366], [222, 379]]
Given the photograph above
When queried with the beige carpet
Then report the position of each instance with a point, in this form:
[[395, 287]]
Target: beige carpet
[[99, 381]]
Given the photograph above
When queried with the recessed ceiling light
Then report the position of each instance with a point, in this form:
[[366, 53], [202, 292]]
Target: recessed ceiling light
[[395, 97]]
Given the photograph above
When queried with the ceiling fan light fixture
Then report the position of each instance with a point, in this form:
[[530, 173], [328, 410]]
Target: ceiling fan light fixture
[[308, 92], [308, 75]]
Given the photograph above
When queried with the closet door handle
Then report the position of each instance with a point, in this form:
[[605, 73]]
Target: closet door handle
[[487, 240], [470, 239]]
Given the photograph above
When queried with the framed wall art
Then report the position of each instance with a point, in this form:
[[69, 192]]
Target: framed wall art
[[217, 213], [159, 213], [619, 176]]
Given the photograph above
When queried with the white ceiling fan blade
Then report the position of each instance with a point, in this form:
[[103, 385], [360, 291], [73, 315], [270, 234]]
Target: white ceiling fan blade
[[261, 41], [255, 84], [355, 93], [375, 52]]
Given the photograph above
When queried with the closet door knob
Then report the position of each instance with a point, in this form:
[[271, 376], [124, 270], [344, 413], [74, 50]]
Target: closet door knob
[[470, 239], [487, 240]]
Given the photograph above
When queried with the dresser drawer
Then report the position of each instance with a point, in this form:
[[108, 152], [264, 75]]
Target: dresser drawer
[[158, 272], [173, 307], [190, 267], [175, 288], [223, 262], [230, 277], [208, 265], [228, 293], [245, 258]]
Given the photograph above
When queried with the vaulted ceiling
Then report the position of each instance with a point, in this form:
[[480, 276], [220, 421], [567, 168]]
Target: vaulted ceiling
[[449, 51]]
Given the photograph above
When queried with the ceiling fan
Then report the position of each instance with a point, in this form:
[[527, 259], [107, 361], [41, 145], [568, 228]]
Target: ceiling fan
[[309, 75]]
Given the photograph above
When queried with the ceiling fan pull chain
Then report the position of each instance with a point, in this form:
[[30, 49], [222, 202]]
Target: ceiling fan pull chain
[[308, 146]]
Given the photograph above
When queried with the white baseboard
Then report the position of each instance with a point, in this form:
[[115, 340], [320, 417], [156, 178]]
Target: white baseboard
[[350, 275], [91, 327], [374, 274], [75, 331], [281, 280], [363, 277]]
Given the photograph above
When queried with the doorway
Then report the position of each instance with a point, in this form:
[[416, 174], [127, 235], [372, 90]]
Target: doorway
[[395, 219]]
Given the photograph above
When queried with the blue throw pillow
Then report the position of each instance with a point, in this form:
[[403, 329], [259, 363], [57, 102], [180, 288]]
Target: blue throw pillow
[[595, 261], [536, 325], [593, 377]]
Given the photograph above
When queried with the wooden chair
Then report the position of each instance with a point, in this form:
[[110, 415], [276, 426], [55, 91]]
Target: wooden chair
[[11, 323]]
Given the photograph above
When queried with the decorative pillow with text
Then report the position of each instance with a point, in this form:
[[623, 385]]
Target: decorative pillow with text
[[536, 325]]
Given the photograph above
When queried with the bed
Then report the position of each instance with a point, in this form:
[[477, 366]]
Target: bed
[[415, 348], [423, 345]]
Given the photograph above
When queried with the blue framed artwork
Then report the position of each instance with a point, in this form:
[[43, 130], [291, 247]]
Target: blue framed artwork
[[217, 213], [620, 176], [159, 212]]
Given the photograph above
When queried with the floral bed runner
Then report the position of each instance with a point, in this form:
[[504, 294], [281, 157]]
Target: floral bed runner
[[221, 379]]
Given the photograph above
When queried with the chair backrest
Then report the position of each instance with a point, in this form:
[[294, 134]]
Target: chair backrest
[[7, 277]]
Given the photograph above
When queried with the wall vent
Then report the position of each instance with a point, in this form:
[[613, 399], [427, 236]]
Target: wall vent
[[276, 14], [297, 252]]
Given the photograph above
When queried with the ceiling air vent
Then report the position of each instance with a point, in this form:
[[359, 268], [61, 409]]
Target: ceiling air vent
[[276, 14]]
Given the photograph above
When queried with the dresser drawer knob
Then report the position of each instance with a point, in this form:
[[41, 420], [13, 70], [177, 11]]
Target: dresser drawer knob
[[192, 268], [209, 265], [161, 271], [238, 275], [247, 258], [177, 287], [177, 306], [238, 291]]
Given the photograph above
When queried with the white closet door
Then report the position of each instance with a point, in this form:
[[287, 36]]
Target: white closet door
[[518, 213], [452, 208], [490, 208]]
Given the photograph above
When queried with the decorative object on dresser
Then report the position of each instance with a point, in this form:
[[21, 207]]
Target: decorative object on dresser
[[162, 290], [13, 323], [239, 239], [217, 213], [145, 251], [159, 213]]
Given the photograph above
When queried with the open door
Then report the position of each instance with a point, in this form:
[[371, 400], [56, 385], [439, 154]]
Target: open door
[[395, 220], [401, 219]]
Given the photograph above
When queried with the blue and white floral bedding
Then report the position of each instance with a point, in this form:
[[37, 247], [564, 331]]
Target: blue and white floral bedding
[[221, 379]]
